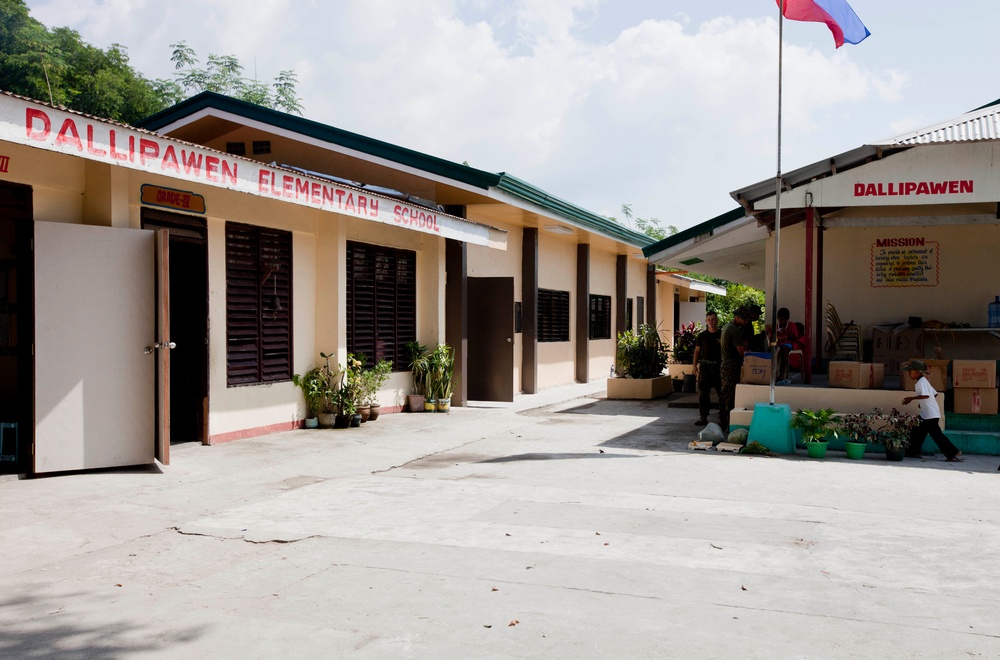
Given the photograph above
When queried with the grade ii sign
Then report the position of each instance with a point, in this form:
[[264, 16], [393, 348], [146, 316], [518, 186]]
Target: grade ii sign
[[904, 262]]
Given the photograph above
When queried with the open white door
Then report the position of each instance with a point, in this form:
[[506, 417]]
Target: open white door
[[95, 314]]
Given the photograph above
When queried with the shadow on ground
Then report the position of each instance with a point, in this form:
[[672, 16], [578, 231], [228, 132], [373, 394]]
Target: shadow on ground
[[58, 634]]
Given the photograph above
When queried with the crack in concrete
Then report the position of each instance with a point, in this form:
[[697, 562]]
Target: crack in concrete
[[426, 456]]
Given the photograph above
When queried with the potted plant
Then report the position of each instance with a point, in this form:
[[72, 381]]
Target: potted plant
[[895, 434], [350, 390], [416, 357], [682, 352], [441, 372], [861, 429], [641, 354], [327, 381], [816, 426], [312, 384], [372, 381], [641, 357]]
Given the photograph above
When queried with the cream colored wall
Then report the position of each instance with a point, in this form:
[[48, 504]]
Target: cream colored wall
[[603, 274], [557, 270], [635, 287], [57, 182], [969, 273], [792, 274], [665, 293]]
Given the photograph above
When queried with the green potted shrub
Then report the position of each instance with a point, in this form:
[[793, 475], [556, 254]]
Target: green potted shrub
[[641, 354], [313, 385], [372, 381], [442, 371], [416, 357], [330, 382], [816, 426], [895, 434]]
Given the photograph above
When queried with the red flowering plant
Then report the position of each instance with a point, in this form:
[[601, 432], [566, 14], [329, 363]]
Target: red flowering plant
[[684, 342]]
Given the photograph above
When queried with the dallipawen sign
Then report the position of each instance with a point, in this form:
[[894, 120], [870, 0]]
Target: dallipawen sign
[[36, 125]]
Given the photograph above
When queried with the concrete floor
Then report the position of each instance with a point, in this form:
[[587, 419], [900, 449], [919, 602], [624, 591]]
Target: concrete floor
[[563, 525]]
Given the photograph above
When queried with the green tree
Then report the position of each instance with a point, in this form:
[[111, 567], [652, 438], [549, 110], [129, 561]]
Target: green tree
[[224, 74], [57, 66], [649, 226], [736, 296]]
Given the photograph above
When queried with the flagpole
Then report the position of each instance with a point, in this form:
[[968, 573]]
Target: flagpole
[[777, 219]]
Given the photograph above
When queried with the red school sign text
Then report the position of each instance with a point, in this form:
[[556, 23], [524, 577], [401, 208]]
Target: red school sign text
[[47, 128]]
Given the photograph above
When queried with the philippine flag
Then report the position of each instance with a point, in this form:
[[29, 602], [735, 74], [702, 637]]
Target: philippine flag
[[837, 14]]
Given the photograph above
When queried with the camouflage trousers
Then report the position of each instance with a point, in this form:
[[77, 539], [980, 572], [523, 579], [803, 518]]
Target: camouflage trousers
[[727, 397]]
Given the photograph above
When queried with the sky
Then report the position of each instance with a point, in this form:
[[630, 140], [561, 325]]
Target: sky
[[664, 105]]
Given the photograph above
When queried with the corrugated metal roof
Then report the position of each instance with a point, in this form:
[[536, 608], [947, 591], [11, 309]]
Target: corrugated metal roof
[[980, 124]]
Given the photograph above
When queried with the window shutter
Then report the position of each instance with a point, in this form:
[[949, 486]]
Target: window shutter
[[242, 328], [276, 305], [258, 304], [361, 300], [553, 315], [381, 302]]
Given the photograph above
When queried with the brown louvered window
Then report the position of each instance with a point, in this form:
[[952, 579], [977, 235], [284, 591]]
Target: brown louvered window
[[600, 317], [381, 302], [553, 315], [258, 304]]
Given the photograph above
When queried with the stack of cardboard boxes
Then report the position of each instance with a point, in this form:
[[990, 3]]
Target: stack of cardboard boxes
[[975, 383]]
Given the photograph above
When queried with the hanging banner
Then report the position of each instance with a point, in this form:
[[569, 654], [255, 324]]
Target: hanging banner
[[904, 262], [35, 125]]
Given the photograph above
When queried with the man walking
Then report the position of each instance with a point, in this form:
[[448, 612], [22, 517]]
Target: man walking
[[734, 343], [707, 364]]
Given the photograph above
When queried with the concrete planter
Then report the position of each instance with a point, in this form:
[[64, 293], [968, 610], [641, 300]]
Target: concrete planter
[[639, 388]]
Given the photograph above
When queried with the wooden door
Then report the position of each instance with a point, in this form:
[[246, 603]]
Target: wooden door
[[491, 339]]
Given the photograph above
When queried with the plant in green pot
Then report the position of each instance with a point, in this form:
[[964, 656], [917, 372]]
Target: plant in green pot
[[816, 427], [861, 429], [313, 385], [442, 371]]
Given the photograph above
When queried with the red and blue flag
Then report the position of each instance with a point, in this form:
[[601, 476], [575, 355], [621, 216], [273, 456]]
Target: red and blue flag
[[837, 14]]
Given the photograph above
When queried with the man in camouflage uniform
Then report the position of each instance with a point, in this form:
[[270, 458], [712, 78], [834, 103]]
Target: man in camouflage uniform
[[734, 343]]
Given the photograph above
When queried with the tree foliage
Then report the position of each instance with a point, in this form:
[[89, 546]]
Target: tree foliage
[[57, 66], [224, 74], [649, 226], [736, 294]]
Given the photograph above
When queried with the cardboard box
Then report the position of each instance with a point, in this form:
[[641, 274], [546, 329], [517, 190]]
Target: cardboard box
[[938, 375], [893, 346], [974, 373], [756, 371], [976, 401], [856, 375]]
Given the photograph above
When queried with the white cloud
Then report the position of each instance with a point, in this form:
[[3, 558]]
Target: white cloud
[[669, 115]]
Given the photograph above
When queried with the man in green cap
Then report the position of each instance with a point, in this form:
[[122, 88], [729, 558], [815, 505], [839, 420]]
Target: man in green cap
[[930, 414]]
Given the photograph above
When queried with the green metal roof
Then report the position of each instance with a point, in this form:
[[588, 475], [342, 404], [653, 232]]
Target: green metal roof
[[313, 129], [423, 162], [523, 190], [706, 227]]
